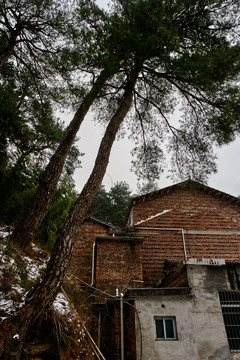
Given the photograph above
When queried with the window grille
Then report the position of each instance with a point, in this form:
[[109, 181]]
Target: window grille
[[230, 303]]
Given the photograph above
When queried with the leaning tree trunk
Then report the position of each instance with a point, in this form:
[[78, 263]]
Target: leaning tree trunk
[[43, 294], [25, 231]]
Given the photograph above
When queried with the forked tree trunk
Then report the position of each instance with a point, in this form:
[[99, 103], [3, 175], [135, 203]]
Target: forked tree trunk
[[25, 231], [12, 41], [45, 291]]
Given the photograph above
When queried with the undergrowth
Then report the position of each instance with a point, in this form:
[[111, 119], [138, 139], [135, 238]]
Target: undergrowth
[[57, 335]]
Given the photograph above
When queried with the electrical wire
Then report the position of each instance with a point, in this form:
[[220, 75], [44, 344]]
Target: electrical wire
[[115, 298]]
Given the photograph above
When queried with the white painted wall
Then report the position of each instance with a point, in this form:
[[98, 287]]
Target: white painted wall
[[199, 321]]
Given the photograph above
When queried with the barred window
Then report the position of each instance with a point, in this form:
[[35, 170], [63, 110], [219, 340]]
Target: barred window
[[230, 303], [165, 328]]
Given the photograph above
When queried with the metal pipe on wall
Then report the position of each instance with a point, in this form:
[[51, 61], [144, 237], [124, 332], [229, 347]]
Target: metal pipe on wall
[[169, 229], [93, 264]]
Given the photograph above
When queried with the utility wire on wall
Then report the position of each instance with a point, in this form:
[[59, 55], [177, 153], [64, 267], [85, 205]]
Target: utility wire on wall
[[115, 298]]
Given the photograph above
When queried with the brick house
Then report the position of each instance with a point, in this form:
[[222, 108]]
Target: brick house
[[84, 249], [176, 263]]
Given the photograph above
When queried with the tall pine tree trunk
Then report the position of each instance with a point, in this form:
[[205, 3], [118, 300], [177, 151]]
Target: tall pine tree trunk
[[25, 231], [45, 291]]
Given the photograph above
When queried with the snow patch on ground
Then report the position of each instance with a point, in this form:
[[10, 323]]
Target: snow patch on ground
[[18, 269], [13, 275], [5, 231], [31, 269], [7, 305], [61, 304], [3, 234]]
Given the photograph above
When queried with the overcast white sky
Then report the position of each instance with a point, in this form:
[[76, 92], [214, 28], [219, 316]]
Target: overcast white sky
[[227, 179]]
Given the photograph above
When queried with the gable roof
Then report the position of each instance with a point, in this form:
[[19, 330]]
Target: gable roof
[[189, 184], [92, 218]]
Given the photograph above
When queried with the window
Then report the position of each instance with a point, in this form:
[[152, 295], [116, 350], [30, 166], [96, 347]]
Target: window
[[165, 328], [230, 303]]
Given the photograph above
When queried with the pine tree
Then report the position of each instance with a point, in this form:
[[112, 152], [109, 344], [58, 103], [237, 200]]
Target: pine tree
[[179, 48]]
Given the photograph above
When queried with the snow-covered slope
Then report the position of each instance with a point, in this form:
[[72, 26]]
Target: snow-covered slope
[[18, 273]]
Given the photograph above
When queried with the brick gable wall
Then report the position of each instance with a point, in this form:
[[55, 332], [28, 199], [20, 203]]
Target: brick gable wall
[[211, 229]]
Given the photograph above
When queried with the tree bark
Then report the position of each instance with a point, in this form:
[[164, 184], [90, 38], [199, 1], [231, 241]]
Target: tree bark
[[46, 290], [7, 53], [9, 50], [25, 231]]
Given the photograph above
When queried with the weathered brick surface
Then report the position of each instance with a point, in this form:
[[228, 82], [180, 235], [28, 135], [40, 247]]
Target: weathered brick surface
[[129, 331], [211, 224], [118, 264], [81, 262], [191, 210], [175, 275]]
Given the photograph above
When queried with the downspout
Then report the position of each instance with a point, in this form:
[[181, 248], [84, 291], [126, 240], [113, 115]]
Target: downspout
[[169, 229], [93, 264]]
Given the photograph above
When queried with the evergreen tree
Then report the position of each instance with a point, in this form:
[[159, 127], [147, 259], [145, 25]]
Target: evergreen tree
[[176, 52], [146, 187], [29, 29], [63, 200], [29, 135], [119, 197], [100, 207], [93, 61], [179, 60], [111, 206]]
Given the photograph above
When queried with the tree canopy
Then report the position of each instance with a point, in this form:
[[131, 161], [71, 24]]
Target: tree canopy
[[30, 134], [179, 63], [111, 206], [183, 53], [31, 86], [190, 59]]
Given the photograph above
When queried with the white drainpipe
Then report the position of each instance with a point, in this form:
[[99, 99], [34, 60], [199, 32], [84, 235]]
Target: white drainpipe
[[169, 229], [93, 264]]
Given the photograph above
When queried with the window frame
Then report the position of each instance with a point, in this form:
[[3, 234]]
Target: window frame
[[163, 319]]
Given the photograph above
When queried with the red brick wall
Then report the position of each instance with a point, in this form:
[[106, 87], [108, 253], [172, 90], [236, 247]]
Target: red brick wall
[[81, 262], [190, 210], [129, 331], [175, 275], [118, 264]]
